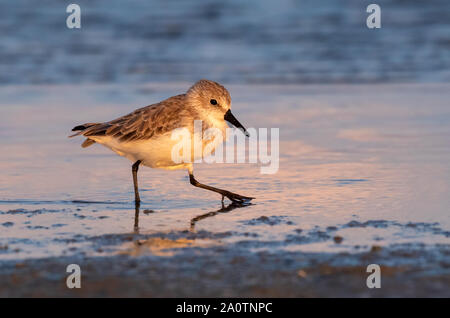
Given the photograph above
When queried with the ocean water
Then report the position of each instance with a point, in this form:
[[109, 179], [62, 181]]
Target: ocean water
[[254, 41], [361, 167]]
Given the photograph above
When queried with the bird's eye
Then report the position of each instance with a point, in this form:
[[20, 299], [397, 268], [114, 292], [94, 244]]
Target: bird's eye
[[213, 102]]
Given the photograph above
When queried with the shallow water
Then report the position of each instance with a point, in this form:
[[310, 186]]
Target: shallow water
[[361, 167]]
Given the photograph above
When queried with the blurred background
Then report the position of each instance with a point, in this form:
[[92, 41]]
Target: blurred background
[[252, 41]]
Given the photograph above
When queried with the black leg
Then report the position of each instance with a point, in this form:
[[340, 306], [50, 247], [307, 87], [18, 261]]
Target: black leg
[[135, 169], [230, 195]]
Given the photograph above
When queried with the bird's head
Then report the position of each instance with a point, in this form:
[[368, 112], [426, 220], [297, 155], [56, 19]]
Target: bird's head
[[211, 98]]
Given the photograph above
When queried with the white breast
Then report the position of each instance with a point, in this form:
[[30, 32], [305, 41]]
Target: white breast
[[156, 152]]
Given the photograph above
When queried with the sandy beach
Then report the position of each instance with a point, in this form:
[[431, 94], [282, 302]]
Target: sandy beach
[[363, 179]]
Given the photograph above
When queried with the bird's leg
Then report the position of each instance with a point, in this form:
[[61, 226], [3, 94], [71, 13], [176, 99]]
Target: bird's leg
[[230, 195], [134, 169]]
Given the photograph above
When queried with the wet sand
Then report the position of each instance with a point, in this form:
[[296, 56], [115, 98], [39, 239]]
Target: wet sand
[[234, 271], [363, 178]]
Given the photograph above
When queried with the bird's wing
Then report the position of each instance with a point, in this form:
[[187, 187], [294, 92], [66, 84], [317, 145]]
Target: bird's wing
[[143, 123]]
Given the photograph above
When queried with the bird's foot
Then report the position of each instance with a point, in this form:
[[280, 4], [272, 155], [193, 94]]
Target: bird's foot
[[236, 198]]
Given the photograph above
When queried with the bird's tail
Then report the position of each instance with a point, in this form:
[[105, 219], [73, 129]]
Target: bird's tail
[[80, 129]]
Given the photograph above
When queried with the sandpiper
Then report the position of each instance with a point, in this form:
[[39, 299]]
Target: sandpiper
[[144, 136]]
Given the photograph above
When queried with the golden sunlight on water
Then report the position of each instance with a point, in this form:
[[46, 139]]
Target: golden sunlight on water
[[347, 154], [160, 246]]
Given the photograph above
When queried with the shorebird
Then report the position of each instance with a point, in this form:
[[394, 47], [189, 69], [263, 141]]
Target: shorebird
[[144, 136]]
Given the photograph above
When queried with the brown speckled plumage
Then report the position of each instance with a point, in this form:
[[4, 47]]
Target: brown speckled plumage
[[156, 119], [145, 122]]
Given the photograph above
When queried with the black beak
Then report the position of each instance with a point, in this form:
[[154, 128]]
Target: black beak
[[229, 117]]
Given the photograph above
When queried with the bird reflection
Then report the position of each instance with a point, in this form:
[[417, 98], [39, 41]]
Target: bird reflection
[[136, 218], [224, 209]]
